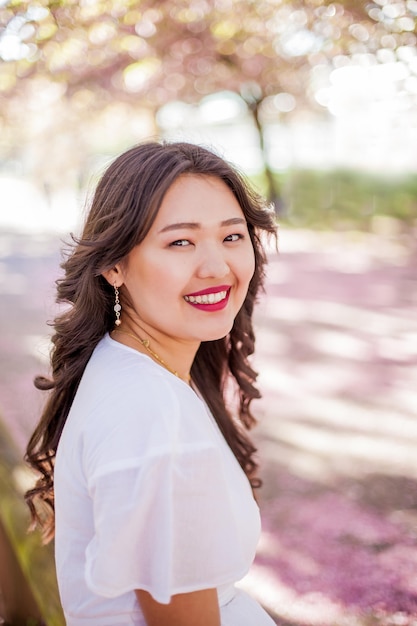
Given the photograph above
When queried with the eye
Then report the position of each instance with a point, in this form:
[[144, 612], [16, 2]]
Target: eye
[[234, 237], [180, 243]]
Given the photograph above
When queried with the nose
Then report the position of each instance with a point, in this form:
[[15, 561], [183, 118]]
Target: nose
[[213, 263]]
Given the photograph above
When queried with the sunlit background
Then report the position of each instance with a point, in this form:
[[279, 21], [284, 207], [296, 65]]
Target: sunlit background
[[316, 102], [286, 85]]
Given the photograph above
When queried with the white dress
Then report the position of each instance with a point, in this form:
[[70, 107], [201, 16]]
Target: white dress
[[149, 496]]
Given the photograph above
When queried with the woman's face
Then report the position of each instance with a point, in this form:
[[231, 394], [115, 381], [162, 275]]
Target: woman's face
[[189, 277]]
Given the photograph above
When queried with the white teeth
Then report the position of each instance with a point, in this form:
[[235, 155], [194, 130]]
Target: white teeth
[[209, 298]]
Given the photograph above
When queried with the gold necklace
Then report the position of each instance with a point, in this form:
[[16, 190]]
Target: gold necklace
[[145, 344]]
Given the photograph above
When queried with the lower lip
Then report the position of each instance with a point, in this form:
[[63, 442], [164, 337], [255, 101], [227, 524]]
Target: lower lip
[[217, 306]]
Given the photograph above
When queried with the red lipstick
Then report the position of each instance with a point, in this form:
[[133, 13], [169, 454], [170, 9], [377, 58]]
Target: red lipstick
[[209, 299]]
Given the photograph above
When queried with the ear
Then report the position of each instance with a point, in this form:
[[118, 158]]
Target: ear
[[114, 276]]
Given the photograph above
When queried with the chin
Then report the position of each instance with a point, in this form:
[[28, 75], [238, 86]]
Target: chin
[[217, 334]]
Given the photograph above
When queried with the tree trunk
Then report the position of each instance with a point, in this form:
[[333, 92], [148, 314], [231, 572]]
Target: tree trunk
[[273, 193]]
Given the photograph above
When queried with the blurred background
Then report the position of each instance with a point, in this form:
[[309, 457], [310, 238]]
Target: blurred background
[[316, 102]]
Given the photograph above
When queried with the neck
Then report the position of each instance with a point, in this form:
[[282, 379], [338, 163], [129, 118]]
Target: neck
[[159, 353]]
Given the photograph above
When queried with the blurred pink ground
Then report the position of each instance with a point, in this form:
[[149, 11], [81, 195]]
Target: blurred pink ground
[[337, 356]]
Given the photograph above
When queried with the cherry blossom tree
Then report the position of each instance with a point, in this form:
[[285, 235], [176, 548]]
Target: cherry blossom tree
[[145, 54]]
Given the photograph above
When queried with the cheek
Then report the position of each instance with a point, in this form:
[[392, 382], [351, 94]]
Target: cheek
[[247, 265]]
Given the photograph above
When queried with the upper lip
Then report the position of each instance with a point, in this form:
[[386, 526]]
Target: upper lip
[[205, 292]]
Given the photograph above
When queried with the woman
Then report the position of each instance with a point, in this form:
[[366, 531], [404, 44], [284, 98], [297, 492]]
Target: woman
[[147, 469]]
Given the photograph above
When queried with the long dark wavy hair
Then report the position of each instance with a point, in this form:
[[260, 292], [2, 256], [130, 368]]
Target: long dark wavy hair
[[123, 208]]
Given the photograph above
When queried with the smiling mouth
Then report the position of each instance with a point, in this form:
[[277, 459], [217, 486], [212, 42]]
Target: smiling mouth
[[207, 298]]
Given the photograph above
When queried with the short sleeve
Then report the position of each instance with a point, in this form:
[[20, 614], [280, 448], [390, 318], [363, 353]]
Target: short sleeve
[[168, 522]]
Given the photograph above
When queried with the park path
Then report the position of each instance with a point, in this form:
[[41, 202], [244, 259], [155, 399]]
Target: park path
[[337, 357]]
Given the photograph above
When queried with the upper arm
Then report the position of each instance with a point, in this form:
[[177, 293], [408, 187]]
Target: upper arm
[[184, 609]]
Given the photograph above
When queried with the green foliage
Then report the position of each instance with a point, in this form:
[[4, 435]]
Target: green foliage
[[36, 561], [345, 198]]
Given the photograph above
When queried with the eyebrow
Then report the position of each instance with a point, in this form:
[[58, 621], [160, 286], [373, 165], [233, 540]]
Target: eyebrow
[[196, 225]]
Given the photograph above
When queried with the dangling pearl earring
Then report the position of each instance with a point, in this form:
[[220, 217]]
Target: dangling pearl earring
[[117, 307]]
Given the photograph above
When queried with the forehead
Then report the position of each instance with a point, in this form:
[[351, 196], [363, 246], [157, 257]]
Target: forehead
[[197, 196]]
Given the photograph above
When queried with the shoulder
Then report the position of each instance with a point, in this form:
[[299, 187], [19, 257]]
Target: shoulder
[[123, 394], [119, 374]]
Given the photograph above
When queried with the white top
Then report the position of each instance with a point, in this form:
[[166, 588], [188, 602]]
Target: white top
[[148, 495]]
